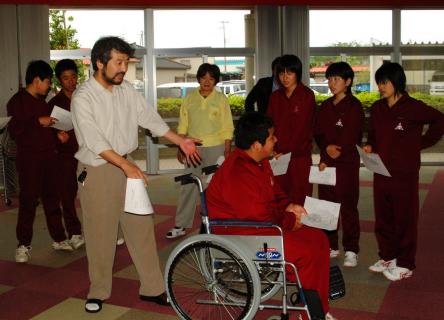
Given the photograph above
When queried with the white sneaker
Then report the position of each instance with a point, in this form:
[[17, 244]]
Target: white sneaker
[[175, 232], [397, 273], [22, 254], [350, 259], [329, 316], [62, 245], [77, 241], [382, 265], [334, 253], [120, 241]]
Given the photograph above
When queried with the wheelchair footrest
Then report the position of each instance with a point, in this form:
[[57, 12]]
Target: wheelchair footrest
[[337, 284]]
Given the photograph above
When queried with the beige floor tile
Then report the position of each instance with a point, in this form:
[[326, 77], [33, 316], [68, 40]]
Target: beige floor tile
[[135, 314], [74, 309]]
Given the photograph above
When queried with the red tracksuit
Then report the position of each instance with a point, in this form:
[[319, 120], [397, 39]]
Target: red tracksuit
[[293, 121], [342, 125], [36, 166], [246, 190], [67, 166], [395, 133]]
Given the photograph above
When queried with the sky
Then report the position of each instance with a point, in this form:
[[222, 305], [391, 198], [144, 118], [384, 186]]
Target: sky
[[204, 28]]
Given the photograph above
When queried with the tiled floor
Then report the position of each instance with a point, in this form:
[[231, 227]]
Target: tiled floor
[[54, 284]]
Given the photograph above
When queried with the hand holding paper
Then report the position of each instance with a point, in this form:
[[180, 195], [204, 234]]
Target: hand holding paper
[[280, 166], [64, 120], [321, 214], [136, 197], [326, 176], [373, 162]]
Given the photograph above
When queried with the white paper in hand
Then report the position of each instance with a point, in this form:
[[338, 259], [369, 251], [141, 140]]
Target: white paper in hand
[[322, 214], [64, 119], [280, 166], [373, 162], [327, 176], [136, 197]]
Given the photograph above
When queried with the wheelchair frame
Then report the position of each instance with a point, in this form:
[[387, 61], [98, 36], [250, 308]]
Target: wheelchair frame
[[206, 261]]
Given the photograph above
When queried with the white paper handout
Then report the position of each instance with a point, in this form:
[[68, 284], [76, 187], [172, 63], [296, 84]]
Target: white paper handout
[[136, 197], [64, 119], [219, 162], [4, 121], [322, 214], [327, 176], [373, 162], [280, 166]]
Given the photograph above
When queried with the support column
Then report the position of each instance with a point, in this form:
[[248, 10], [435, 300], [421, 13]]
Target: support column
[[295, 34], [396, 36], [250, 42], [24, 34], [268, 39]]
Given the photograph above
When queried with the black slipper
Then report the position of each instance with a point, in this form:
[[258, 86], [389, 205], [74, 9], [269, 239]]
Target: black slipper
[[93, 305]]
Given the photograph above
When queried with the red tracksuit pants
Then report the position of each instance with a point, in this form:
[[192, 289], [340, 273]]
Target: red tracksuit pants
[[67, 187], [37, 179], [396, 202], [308, 249], [346, 192]]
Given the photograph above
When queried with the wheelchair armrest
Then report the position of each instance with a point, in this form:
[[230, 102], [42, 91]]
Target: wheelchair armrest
[[240, 223], [184, 179]]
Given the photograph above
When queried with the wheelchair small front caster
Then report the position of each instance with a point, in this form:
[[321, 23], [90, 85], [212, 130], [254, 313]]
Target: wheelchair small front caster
[[285, 316]]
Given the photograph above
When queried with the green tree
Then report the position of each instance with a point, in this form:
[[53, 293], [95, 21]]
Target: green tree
[[62, 37]]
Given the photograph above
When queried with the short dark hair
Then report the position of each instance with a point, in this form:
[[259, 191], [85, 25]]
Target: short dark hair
[[342, 70], [38, 68], [393, 72], [101, 50], [275, 63], [211, 69], [291, 63], [250, 128], [64, 65]]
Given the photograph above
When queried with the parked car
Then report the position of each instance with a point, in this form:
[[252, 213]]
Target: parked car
[[437, 84], [175, 89], [231, 86], [320, 88], [361, 87]]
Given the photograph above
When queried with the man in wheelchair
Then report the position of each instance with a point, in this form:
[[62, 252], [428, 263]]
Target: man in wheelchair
[[244, 188]]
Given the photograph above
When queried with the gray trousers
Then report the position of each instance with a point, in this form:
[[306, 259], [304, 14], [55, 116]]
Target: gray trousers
[[102, 199], [189, 193]]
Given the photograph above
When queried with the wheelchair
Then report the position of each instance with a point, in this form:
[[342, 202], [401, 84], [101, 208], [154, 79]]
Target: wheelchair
[[210, 276]]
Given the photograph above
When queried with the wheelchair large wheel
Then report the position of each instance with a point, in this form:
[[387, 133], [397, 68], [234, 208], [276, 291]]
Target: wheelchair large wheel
[[203, 276]]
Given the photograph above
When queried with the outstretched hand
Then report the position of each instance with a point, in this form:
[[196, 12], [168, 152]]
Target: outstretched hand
[[188, 147]]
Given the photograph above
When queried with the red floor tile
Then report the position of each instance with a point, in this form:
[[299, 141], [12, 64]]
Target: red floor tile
[[15, 274]]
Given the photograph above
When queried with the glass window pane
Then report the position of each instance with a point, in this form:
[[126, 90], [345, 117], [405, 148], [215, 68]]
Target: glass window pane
[[350, 27], [93, 24], [422, 26], [199, 28]]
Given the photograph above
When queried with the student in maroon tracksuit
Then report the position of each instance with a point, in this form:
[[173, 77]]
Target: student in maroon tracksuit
[[36, 159], [338, 130], [66, 73], [244, 188], [292, 109], [396, 134]]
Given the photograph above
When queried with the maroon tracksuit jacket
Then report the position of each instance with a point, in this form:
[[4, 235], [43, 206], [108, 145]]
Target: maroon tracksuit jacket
[[396, 134], [293, 122], [36, 166], [244, 189], [342, 125], [67, 167]]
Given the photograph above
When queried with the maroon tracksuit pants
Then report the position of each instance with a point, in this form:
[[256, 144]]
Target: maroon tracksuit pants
[[295, 182], [396, 201], [67, 187], [346, 192], [37, 179]]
